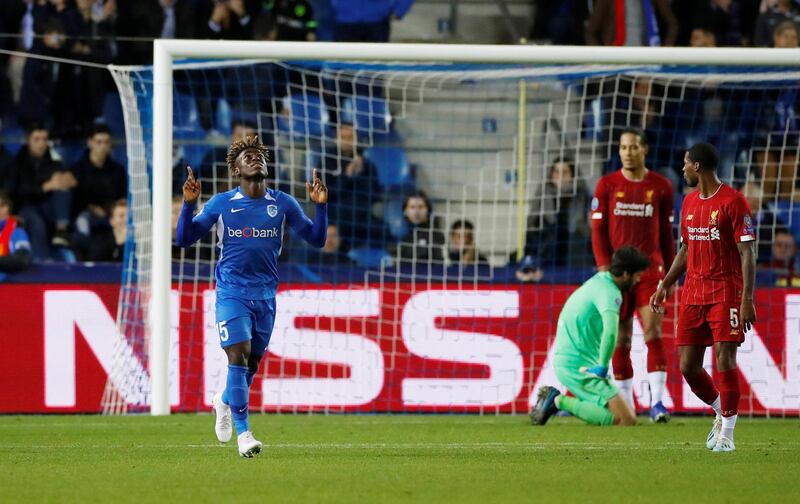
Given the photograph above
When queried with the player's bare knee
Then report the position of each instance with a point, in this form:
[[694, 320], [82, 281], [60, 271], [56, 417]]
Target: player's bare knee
[[625, 419]]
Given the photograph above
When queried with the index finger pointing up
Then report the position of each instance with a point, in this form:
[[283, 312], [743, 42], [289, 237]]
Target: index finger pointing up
[[190, 172]]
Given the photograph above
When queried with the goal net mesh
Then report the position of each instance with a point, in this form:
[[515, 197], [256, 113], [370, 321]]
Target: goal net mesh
[[455, 232]]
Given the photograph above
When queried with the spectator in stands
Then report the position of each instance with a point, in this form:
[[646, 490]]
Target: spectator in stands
[[561, 22], [558, 230], [42, 190], [101, 183], [423, 240], [355, 190], [367, 20], [780, 12], [106, 242], [637, 26], [11, 20], [291, 20], [152, 19], [462, 250], [15, 247], [776, 155], [229, 19], [765, 221], [528, 270], [5, 164], [36, 103], [784, 261], [702, 36], [725, 18], [214, 175], [333, 253], [80, 90]]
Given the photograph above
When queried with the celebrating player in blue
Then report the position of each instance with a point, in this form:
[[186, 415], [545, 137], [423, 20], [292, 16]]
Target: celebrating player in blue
[[249, 223]]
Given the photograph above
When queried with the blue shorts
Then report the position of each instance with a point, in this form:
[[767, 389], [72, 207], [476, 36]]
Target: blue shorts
[[241, 320]]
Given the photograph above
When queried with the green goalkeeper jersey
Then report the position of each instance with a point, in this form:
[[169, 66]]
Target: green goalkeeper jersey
[[589, 323]]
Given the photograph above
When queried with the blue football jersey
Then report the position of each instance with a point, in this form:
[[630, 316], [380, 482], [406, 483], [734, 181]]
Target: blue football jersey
[[250, 233]]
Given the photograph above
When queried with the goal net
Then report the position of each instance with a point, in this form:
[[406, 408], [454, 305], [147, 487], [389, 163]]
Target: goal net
[[458, 224]]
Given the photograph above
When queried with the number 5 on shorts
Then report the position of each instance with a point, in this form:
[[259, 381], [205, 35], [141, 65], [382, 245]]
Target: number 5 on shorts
[[222, 331], [734, 318]]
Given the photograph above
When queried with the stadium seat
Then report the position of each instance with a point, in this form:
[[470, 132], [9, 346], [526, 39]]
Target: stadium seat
[[788, 212], [304, 117], [394, 169], [393, 215], [70, 152], [185, 115], [13, 139], [368, 257], [370, 116], [112, 115]]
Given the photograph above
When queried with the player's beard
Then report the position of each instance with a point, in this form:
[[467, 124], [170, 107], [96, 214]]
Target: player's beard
[[691, 183], [256, 177]]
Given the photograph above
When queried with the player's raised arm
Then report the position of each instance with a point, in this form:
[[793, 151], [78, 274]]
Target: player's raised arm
[[191, 228], [314, 232]]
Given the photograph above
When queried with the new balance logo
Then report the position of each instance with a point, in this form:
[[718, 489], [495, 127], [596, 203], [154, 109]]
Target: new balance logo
[[234, 210]]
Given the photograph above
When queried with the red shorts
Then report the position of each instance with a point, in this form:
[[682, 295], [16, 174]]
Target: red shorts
[[637, 297], [705, 325]]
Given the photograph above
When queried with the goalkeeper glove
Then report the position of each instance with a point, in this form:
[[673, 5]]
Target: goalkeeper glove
[[597, 371]]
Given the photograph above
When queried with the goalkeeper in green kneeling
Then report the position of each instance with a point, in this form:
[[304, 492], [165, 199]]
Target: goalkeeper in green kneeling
[[585, 341]]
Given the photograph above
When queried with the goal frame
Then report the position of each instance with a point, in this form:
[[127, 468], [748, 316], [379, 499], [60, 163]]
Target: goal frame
[[165, 52]]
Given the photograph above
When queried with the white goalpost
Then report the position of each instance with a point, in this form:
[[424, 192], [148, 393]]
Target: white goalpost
[[549, 60]]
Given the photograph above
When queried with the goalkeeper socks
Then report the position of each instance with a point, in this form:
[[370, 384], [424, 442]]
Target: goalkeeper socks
[[586, 411], [729, 392], [703, 386], [621, 362], [238, 394]]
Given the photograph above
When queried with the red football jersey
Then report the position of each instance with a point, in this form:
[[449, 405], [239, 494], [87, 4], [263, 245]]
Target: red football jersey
[[634, 213], [711, 228]]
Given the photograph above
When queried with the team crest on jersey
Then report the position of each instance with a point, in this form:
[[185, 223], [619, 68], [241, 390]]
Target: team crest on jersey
[[648, 196], [595, 204], [690, 217], [272, 210], [620, 194], [712, 221]]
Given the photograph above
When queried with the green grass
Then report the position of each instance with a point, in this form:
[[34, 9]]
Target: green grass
[[410, 458]]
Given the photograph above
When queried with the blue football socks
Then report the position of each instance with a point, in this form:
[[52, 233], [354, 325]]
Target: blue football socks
[[237, 393]]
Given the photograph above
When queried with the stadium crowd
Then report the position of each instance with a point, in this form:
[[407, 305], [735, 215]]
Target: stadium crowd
[[69, 199]]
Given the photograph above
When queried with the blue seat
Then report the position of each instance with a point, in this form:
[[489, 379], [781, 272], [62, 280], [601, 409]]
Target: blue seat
[[304, 117], [70, 152], [368, 257], [370, 116], [14, 139], [789, 213], [112, 115], [393, 167], [194, 145], [185, 114], [393, 215]]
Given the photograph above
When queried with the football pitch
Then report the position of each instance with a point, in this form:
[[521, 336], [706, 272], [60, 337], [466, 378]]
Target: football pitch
[[404, 458]]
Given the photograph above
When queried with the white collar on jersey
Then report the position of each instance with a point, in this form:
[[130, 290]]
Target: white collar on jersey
[[239, 196], [715, 193]]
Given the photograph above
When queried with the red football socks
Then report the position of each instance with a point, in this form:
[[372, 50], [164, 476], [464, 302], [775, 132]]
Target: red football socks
[[729, 392], [703, 386], [656, 357], [621, 362]]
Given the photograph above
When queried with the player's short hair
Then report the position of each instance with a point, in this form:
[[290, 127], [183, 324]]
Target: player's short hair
[[783, 230], [248, 142], [628, 259], [705, 154], [630, 130]]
